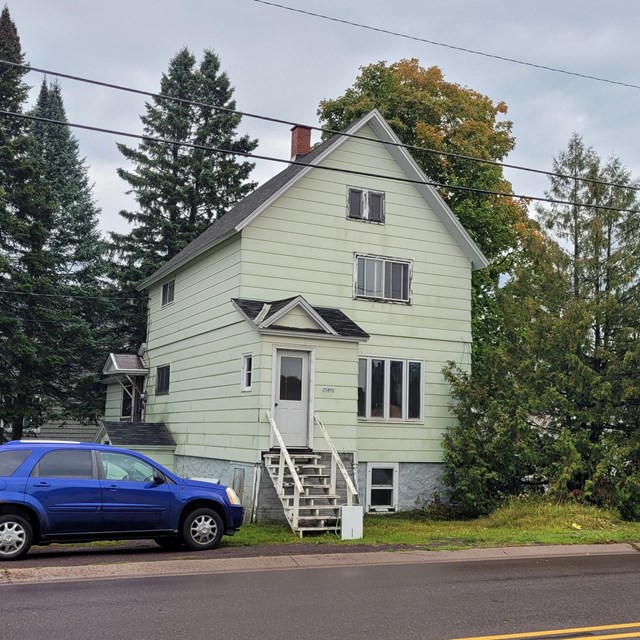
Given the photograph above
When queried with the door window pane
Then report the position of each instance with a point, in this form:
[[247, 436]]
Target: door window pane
[[395, 388], [65, 464], [415, 370], [377, 388], [290, 378]]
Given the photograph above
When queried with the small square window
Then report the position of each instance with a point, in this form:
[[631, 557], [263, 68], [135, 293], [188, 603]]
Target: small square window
[[168, 289], [162, 379], [247, 372], [382, 486], [363, 204]]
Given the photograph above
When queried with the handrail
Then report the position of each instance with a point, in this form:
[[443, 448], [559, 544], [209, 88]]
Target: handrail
[[351, 490], [284, 453]]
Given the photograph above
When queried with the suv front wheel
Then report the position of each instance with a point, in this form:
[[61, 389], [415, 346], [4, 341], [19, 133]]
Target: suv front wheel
[[202, 529], [16, 536]]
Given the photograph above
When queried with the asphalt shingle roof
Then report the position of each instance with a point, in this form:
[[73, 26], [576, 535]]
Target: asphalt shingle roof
[[139, 434]]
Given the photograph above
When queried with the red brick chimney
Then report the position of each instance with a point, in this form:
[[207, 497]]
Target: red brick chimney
[[300, 141]]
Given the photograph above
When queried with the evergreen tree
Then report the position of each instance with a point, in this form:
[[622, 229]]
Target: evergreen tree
[[81, 255], [179, 191], [29, 327], [560, 402]]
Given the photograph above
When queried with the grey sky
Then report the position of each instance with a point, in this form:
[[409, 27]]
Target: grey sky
[[282, 64]]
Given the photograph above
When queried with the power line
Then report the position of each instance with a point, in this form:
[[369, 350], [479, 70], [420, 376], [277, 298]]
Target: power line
[[450, 46], [246, 114], [254, 156], [62, 295]]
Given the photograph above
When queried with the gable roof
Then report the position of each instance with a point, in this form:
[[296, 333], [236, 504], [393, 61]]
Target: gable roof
[[124, 363], [252, 205], [331, 322]]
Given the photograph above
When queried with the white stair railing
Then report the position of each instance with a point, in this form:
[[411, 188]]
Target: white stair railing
[[285, 458], [336, 461]]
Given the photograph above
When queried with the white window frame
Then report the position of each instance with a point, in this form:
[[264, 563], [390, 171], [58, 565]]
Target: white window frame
[[395, 467], [169, 287], [387, 382], [365, 212], [246, 385], [385, 260]]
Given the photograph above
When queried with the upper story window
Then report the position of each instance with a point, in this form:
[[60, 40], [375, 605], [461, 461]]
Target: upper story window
[[382, 278], [162, 379], [168, 289], [363, 204]]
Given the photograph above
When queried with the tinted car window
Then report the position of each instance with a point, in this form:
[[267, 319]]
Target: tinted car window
[[11, 460], [119, 466], [65, 464]]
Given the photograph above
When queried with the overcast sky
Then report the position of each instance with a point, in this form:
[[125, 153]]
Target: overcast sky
[[283, 63]]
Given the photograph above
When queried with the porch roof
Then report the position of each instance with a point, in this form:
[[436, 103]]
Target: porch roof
[[124, 363], [137, 434], [331, 321]]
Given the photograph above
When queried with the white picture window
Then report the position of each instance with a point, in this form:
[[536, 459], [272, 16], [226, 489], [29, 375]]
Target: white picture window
[[381, 278], [247, 372], [390, 389], [168, 289], [363, 204], [382, 486]]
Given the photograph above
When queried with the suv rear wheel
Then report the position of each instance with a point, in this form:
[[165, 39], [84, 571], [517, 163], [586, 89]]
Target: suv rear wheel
[[16, 536], [202, 529]]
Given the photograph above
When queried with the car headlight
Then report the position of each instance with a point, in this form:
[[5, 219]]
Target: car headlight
[[233, 496]]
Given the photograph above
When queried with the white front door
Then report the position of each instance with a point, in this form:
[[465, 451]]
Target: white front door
[[291, 401]]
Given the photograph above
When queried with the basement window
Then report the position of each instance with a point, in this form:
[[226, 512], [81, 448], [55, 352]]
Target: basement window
[[382, 487]]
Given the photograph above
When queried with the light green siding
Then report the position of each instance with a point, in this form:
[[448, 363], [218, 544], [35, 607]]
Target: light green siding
[[113, 403], [304, 244]]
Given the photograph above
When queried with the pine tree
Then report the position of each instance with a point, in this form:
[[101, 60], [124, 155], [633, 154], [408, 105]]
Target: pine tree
[[28, 329], [81, 254], [179, 190]]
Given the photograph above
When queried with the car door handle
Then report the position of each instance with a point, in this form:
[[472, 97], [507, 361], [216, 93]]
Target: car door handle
[[113, 487], [41, 485]]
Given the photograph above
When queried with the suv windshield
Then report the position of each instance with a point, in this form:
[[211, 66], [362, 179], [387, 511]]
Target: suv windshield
[[11, 460]]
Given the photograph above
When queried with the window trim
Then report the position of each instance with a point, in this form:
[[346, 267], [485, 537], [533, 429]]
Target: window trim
[[386, 417], [385, 260], [246, 357], [395, 467], [364, 213], [164, 300], [163, 392]]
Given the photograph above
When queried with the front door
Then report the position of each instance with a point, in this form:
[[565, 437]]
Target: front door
[[291, 402]]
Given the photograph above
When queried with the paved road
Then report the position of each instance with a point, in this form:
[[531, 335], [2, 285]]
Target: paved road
[[428, 601]]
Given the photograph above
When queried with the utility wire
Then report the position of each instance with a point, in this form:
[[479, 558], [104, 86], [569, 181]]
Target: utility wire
[[254, 156], [245, 114], [450, 46], [63, 295]]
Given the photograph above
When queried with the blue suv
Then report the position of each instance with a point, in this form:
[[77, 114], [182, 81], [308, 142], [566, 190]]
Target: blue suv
[[70, 492]]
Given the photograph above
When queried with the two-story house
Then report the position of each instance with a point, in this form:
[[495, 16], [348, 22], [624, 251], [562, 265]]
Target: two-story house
[[329, 299]]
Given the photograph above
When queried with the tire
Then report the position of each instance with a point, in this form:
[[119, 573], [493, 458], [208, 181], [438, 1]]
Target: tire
[[169, 543], [202, 529], [16, 537]]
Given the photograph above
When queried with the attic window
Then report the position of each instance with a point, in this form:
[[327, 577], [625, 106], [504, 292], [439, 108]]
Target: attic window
[[168, 289], [363, 204]]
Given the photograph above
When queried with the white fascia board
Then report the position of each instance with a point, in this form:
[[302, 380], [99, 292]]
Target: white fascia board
[[430, 195], [307, 335], [153, 279], [299, 301], [110, 365]]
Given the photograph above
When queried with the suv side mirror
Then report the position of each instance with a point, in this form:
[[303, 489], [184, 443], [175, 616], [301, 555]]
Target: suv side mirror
[[158, 478]]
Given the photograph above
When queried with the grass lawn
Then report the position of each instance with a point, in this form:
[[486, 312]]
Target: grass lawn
[[521, 522]]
